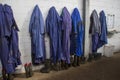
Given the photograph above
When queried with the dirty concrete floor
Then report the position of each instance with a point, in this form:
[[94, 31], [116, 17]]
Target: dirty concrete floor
[[103, 69]]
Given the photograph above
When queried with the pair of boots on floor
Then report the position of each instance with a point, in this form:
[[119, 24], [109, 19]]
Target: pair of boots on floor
[[7, 76], [50, 66], [94, 56], [62, 65], [28, 70]]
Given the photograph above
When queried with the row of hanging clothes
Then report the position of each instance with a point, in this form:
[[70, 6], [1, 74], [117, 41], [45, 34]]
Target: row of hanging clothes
[[98, 32], [66, 33], [9, 48]]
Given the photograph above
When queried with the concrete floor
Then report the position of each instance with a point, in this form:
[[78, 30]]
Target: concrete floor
[[103, 69]]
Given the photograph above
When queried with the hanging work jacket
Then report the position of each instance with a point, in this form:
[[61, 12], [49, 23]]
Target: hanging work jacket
[[37, 31], [9, 48], [53, 29], [77, 34], [66, 31], [95, 30], [103, 35]]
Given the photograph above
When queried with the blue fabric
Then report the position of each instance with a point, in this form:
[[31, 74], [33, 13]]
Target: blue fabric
[[36, 29], [95, 42], [95, 30], [11, 30], [15, 47], [66, 29], [95, 26], [7, 64], [77, 33], [9, 51], [1, 21], [10, 21], [53, 29], [103, 36]]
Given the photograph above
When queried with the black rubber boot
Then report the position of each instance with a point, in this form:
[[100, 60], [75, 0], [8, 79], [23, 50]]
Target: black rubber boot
[[66, 66], [47, 67], [26, 70], [62, 65], [69, 65], [10, 77], [71, 61], [59, 65], [90, 58], [56, 66], [75, 61], [4, 75], [83, 59], [30, 70], [99, 55], [95, 56], [78, 61]]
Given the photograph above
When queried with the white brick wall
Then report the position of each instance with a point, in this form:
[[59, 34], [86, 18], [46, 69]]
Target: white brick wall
[[22, 11], [109, 6]]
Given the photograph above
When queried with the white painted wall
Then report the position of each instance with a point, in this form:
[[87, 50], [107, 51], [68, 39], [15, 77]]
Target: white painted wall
[[22, 12], [109, 6]]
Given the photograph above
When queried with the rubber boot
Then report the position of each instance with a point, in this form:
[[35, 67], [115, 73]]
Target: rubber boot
[[30, 70], [75, 61], [90, 58], [4, 75], [95, 56], [26, 70], [82, 60], [59, 65], [62, 65], [56, 66], [78, 61], [69, 65], [99, 55], [10, 77], [71, 61], [47, 67], [65, 66]]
